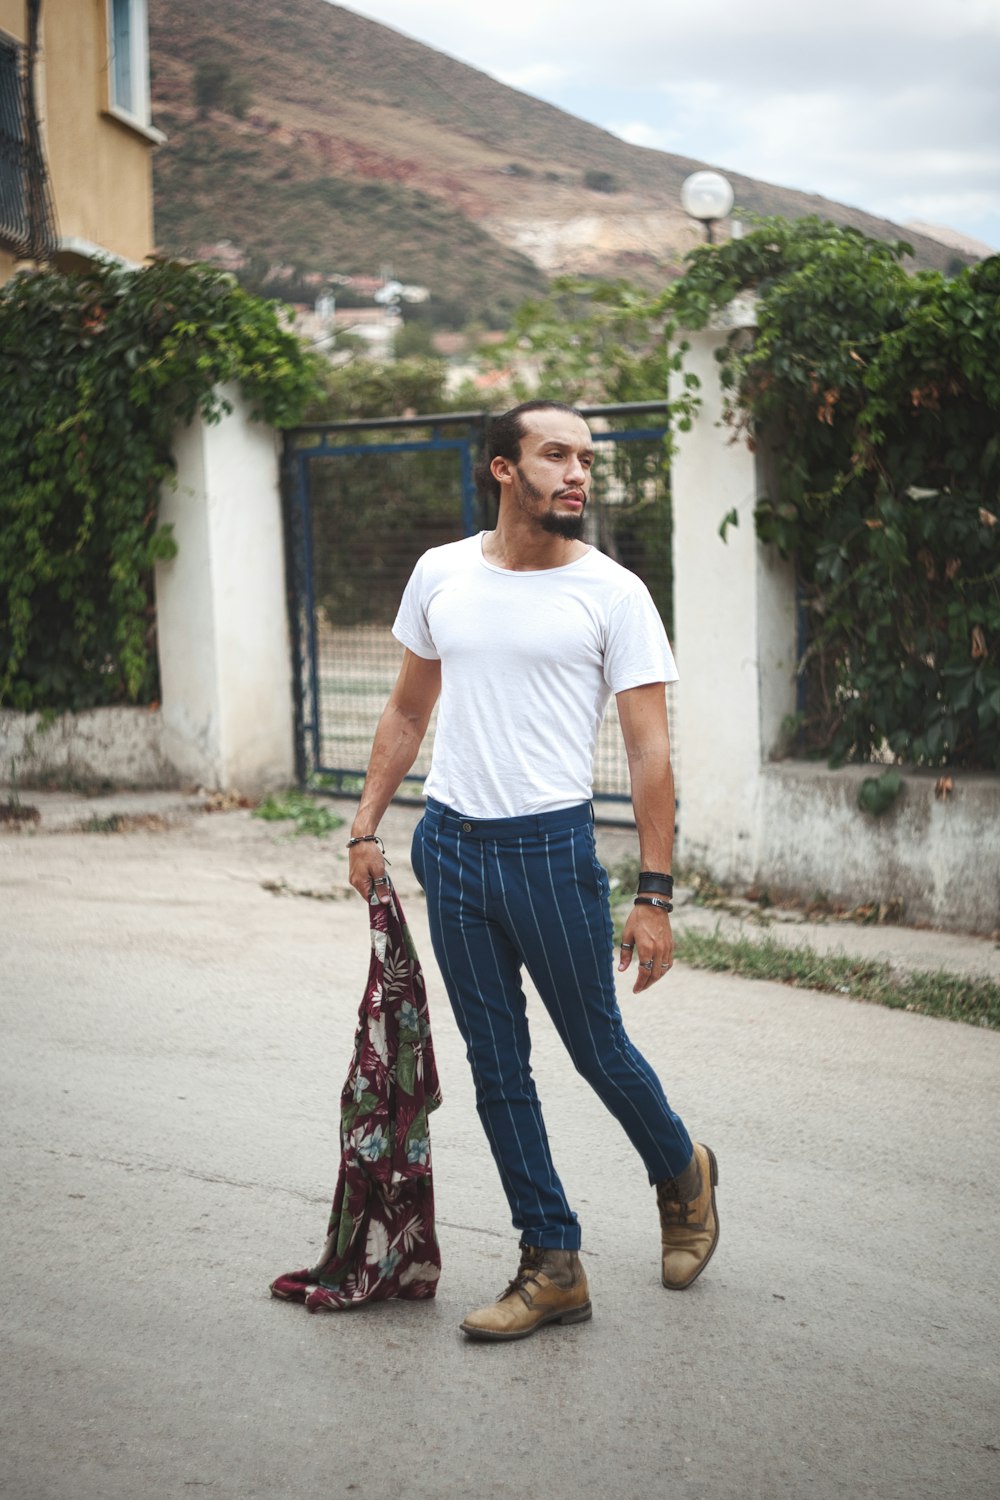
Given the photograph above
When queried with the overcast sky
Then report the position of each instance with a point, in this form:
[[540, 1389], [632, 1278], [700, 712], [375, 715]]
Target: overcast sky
[[890, 105]]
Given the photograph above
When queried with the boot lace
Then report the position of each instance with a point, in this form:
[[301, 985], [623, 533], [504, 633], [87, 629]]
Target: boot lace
[[672, 1212], [531, 1260]]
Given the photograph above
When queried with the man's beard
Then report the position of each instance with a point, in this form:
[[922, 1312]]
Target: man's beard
[[568, 526]]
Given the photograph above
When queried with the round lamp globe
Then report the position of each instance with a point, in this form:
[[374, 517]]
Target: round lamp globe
[[706, 196]]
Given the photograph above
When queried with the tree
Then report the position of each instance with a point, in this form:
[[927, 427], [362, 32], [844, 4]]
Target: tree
[[217, 87], [879, 391]]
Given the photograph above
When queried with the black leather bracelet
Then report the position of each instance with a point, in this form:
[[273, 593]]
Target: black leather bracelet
[[366, 838], [653, 882], [652, 901]]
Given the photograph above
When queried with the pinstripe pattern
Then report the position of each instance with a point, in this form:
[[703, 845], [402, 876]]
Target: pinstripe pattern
[[528, 892]]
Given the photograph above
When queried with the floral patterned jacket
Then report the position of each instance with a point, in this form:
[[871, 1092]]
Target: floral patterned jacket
[[380, 1239]]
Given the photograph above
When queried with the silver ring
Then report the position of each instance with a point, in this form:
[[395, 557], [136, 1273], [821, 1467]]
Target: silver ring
[[647, 965], [382, 880], [628, 945], [666, 966]]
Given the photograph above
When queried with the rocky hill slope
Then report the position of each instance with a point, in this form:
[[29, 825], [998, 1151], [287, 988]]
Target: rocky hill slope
[[329, 142]]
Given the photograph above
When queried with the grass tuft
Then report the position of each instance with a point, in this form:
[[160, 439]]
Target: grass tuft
[[955, 997], [308, 815]]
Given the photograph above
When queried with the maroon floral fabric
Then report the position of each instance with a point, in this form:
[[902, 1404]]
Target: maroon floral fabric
[[380, 1238]]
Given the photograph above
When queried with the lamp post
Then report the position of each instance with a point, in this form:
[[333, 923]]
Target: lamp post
[[707, 196]]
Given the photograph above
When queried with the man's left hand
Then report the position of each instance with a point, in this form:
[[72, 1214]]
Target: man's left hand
[[648, 939]]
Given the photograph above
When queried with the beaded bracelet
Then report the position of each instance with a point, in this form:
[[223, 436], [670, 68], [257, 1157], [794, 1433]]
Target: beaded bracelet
[[652, 901], [366, 838]]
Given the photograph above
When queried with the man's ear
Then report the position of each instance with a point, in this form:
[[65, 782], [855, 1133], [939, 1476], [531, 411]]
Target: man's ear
[[502, 470]]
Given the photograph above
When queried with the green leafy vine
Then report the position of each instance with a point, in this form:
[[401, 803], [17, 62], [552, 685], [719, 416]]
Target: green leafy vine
[[98, 372], [874, 395]]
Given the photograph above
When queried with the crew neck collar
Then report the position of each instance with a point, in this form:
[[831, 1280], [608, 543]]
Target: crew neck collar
[[529, 572]]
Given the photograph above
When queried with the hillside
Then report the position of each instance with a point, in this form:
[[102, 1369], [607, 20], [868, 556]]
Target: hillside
[[335, 144]]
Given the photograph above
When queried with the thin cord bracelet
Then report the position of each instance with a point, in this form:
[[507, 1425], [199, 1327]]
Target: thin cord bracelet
[[652, 901]]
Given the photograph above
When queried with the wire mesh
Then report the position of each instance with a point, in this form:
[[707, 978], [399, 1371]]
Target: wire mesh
[[371, 510]]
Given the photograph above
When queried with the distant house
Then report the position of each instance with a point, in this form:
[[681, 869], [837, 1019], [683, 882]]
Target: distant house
[[76, 142]]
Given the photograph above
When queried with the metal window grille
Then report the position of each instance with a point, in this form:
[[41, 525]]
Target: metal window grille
[[14, 224], [27, 221]]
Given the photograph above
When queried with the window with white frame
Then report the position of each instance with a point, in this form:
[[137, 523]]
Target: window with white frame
[[128, 39]]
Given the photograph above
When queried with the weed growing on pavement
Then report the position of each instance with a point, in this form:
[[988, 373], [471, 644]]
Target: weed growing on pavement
[[308, 815], [939, 993]]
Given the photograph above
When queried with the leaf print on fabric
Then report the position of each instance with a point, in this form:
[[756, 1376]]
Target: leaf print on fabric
[[397, 973], [377, 1243], [412, 1234], [410, 946], [383, 1208], [345, 1233], [389, 1262], [428, 1271], [406, 1068], [377, 1037]]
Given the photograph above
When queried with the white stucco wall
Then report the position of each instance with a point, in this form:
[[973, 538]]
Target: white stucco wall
[[734, 607], [118, 745], [222, 626], [938, 856]]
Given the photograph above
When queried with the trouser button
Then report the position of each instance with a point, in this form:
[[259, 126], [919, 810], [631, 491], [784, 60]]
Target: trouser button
[[466, 827]]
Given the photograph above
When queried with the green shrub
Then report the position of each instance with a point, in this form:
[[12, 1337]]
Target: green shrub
[[98, 371], [876, 395]]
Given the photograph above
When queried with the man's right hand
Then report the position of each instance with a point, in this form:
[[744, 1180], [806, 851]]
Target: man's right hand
[[367, 869]]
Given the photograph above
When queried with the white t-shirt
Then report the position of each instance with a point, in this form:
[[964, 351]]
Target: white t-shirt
[[528, 663]]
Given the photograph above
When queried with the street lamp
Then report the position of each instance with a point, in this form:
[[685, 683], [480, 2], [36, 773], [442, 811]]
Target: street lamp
[[707, 196]]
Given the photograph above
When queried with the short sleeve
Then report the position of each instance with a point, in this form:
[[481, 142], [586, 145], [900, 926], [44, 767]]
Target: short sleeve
[[410, 626], [637, 650]]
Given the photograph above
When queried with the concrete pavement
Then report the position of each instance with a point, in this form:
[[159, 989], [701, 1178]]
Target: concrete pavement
[[177, 1023]]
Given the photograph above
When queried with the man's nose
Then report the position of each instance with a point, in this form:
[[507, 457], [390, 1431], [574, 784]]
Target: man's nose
[[575, 472]]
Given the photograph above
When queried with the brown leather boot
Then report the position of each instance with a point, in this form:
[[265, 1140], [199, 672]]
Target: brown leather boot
[[550, 1287], [689, 1223]]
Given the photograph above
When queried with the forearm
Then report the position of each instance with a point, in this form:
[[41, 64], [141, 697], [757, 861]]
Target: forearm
[[654, 808], [394, 749]]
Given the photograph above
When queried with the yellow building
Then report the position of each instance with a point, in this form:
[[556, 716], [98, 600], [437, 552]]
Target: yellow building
[[76, 142]]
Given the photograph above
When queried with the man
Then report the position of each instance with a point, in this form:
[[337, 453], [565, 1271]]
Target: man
[[525, 632]]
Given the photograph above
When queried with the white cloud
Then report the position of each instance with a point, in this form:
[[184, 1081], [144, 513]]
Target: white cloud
[[891, 105], [639, 133]]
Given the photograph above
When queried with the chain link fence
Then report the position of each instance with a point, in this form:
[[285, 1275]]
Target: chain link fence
[[365, 500]]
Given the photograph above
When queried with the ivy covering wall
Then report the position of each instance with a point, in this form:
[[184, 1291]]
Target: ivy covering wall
[[97, 371], [877, 394]]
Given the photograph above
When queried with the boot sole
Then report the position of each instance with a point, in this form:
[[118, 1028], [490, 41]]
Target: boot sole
[[581, 1314], [713, 1167]]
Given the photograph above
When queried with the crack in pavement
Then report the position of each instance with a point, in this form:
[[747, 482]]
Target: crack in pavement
[[138, 1165]]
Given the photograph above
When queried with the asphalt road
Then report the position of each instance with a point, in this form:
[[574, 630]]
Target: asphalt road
[[175, 1035]]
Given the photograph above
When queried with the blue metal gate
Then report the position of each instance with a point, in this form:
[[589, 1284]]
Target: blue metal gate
[[365, 499]]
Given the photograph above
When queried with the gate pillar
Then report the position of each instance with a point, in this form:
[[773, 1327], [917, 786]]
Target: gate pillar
[[735, 624], [222, 624]]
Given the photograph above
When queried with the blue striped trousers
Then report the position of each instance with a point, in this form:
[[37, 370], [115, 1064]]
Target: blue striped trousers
[[507, 893]]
